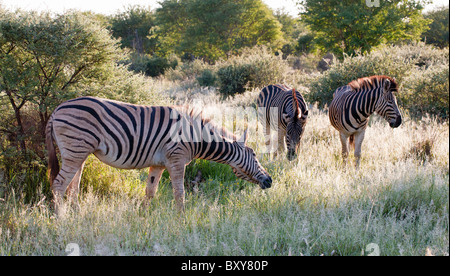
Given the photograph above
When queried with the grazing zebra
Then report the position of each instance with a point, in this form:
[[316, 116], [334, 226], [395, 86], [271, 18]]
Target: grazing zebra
[[354, 103], [283, 109], [133, 137]]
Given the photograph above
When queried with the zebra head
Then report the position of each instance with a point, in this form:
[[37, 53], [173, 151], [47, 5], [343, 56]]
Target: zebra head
[[247, 166], [387, 104], [295, 126]]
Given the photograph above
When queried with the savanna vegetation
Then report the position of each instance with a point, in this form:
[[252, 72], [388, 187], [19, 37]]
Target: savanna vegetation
[[217, 55]]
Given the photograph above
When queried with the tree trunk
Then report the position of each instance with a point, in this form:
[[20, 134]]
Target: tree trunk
[[21, 132]]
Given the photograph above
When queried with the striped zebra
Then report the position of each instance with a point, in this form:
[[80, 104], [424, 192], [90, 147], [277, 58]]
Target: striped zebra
[[283, 109], [131, 136], [353, 104]]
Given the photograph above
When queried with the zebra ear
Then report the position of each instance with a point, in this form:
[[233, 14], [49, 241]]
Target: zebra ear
[[304, 116], [387, 85]]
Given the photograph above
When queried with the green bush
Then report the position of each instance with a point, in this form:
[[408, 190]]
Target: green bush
[[233, 79], [188, 70], [152, 66], [427, 91], [255, 67], [207, 78]]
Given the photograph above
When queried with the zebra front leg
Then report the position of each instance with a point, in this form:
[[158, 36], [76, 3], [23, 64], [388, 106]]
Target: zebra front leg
[[267, 138], [281, 144], [176, 172], [359, 137], [344, 142], [154, 175]]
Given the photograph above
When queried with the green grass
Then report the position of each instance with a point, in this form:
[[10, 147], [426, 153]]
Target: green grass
[[397, 200]]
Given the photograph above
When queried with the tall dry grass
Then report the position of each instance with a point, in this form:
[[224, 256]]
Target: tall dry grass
[[398, 200]]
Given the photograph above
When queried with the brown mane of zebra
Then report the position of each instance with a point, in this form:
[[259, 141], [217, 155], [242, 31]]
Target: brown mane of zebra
[[370, 82]]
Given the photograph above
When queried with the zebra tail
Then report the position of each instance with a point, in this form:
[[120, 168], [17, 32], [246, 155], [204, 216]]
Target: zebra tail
[[352, 142], [53, 165]]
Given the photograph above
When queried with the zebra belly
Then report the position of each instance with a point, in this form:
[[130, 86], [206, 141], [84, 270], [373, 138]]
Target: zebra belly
[[153, 159]]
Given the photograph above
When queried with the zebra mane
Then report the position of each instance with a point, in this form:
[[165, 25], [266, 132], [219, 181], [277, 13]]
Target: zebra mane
[[295, 103], [373, 82], [194, 114]]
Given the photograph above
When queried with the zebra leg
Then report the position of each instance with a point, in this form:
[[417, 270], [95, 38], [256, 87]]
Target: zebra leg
[[69, 169], [359, 137], [74, 188], [268, 144], [344, 142], [154, 176], [176, 172], [281, 144]]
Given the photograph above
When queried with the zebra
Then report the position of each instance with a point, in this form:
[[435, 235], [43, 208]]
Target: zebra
[[353, 104], [284, 110], [130, 136]]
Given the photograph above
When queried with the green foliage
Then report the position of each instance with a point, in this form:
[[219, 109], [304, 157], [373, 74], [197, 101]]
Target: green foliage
[[305, 43], [255, 67], [44, 57], [292, 29], [421, 71], [233, 78], [427, 91], [207, 78], [437, 34], [345, 27], [151, 66], [214, 29], [132, 27]]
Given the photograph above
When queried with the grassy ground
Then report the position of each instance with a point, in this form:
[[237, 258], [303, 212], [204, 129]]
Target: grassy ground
[[398, 200]]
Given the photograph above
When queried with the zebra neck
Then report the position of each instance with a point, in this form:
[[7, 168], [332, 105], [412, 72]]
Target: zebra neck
[[365, 103], [218, 151]]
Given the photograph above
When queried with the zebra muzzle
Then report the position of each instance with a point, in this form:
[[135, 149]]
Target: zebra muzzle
[[266, 183], [291, 155], [396, 123]]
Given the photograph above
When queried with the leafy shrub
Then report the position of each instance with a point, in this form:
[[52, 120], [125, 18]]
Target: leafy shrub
[[233, 79], [207, 78], [427, 91], [188, 70], [437, 34], [152, 66], [255, 67]]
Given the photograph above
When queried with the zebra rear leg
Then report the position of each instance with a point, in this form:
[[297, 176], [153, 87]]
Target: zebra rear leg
[[154, 175], [69, 169], [176, 172], [74, 188]]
